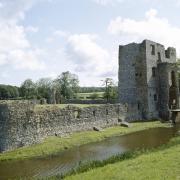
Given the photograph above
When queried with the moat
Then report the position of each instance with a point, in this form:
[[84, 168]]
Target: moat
[[63, 162]]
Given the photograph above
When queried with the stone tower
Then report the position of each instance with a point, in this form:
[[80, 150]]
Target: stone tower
[[148, 80]]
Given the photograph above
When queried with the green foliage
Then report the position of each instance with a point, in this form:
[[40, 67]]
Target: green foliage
[[110, 89], [28, 89], [9, 92], [94, 95], [43, 86], [85, 96], [178, 61], [91, 89], [65, 85], [69, 84], [85, 167]]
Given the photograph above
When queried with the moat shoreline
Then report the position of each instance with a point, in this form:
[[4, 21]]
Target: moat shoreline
[[54, 145]]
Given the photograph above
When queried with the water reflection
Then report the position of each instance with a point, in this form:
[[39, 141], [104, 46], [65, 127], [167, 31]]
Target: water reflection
[[95, 151]]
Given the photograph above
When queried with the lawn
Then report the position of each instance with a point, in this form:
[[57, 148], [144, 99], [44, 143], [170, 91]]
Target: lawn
[[39, 107], [54, 145], [85, 96], [158, 164]]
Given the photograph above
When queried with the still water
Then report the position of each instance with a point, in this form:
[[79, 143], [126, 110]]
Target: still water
[[63, 162]]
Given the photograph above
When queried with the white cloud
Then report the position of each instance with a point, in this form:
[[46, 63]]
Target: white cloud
[[60, 33], [32, 29], [113, 2], [1, 5], [26, 59], [157, 2], [16, 51], [57, 34], [178, 2], [151, 13], [14, 10], [107, 2], [151, 27], [88, 56], [12, 36], [4, 74], [2, 59]]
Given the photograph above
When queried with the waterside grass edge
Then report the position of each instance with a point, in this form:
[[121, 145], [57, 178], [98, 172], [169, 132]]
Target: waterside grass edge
[[53, 145]]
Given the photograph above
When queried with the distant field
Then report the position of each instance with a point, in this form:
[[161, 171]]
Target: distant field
[[86, 96]]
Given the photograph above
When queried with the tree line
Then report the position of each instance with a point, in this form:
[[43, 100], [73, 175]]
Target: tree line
[[64, 87], [9, 92]]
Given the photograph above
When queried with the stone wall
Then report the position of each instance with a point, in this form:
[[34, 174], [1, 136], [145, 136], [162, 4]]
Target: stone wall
[[143, 79], [22, 123], [15, 124], [165, 86], [133, 78], [89, 101]]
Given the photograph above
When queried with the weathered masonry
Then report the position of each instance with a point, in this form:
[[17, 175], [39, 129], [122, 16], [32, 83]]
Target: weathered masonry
[[148, 79], [23, 124]]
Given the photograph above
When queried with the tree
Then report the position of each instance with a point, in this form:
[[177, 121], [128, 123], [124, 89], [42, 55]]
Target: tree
[[43, 87], [69, 84], [13, 91], [4, 93], [110, 89], [28, 89], [54, 96], [8, 92]]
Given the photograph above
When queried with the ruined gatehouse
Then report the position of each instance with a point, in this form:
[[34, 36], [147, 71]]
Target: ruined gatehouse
[[148, 79]]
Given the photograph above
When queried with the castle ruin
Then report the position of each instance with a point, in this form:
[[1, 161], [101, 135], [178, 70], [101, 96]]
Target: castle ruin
[[148, 88], [148, 79]]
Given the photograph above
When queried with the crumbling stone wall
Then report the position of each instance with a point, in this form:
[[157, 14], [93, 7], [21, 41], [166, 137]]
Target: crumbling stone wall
[[168, 91], [15, 125], [22, 124]]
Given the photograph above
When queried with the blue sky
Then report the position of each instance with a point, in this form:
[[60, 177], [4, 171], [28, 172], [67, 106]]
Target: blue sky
[[43, 38]]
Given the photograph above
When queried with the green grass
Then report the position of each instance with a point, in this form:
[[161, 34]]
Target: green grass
[[95, 164], [39, 107], [54, 145], [161, 163], [85, 96]]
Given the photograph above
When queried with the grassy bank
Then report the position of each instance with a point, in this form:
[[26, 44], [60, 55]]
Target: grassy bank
[[85, 96], [54, 145], [162, 163]]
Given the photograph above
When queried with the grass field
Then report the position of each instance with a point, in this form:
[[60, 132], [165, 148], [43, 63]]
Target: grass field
[[157, 164], [85, 96], [53, 145], [61, 106]]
